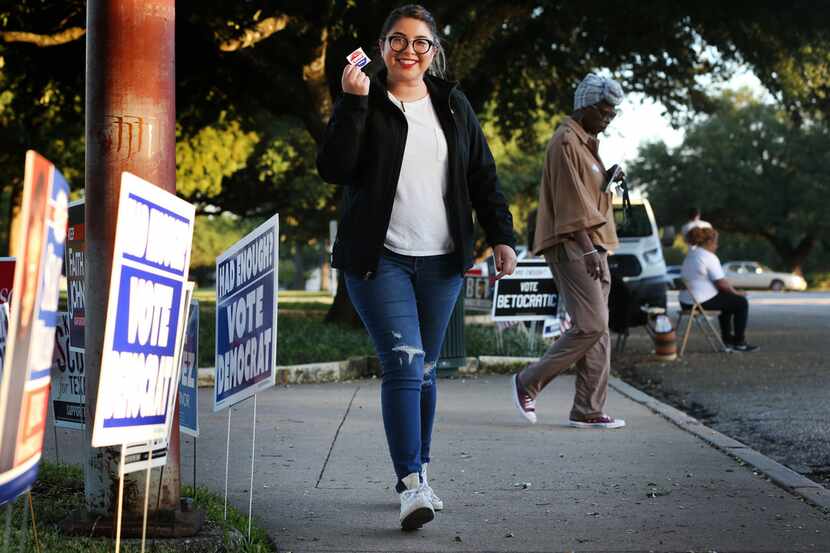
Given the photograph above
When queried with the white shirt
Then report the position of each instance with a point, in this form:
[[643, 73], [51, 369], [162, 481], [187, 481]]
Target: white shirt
[[419, 224], [700, 269], [694, 223]]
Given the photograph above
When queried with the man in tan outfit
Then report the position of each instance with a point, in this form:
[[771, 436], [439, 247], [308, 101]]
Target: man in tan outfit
[[575, 232]]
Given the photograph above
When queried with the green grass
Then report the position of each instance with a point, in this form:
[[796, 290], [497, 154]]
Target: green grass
[[818, 281], [483, 340], [59, 490], [302, 337]]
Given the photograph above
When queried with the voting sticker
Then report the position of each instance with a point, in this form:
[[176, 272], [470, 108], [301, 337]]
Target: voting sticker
[[358, 58]]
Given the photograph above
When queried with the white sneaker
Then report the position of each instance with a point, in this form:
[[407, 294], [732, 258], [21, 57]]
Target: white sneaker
[[437, 503], [602, 421], [416, 509]]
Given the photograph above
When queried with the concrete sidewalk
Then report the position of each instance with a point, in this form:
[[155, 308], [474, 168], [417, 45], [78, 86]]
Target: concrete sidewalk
[[323, 478]]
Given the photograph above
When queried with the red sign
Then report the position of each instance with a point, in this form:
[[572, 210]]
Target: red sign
[[6, 278]]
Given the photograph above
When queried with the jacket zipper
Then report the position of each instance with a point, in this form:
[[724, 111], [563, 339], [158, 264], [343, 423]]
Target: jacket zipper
[[457, 223]]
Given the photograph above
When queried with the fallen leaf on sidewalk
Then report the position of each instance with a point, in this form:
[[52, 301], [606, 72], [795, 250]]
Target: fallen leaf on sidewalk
[[657, 492]]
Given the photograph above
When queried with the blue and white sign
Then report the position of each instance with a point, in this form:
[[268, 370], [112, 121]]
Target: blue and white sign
[[246, 316], [188, 385], [139, 362], [137, 455]]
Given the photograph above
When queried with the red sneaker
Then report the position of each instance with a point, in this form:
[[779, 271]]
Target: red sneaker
[[523, 402], [602, 421]]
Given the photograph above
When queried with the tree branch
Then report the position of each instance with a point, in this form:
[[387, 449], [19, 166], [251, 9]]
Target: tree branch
[[62, 37], [257, 33], [314, 76], [470, 48]]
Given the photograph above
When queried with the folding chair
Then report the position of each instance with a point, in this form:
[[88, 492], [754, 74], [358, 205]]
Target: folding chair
[[695, 314]]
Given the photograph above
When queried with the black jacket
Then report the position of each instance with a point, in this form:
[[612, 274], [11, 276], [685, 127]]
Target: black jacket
[[362, 149]]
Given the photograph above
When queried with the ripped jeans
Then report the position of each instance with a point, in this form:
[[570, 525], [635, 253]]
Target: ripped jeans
[[406, 307]]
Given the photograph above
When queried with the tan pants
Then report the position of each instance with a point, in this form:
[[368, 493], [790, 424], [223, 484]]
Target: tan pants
[[587, 342]]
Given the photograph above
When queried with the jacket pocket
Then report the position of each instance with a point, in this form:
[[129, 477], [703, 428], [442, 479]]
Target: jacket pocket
[[605, 199]]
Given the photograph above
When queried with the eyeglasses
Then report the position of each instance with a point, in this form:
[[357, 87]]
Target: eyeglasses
[[400, 43], [605, 115]]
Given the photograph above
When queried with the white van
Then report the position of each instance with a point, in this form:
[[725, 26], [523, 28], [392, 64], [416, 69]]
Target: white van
[[638, 263]]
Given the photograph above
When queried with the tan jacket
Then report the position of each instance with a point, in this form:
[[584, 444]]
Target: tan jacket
[[570, 194]]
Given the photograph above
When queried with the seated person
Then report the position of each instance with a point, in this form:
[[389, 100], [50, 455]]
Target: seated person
[[706, 281]]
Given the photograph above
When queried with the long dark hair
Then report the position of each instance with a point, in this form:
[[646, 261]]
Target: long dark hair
[[438, 67]]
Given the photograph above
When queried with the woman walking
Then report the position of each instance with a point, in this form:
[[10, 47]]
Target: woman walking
[[408, 149]]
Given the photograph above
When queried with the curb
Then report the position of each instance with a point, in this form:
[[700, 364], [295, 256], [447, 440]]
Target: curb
[[784, 477], [309, 373]]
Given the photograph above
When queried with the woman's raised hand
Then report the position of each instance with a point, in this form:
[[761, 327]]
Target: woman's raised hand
[[355, 81]]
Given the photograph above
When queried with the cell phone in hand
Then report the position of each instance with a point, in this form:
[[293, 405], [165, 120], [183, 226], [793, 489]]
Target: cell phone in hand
[[612, 174]]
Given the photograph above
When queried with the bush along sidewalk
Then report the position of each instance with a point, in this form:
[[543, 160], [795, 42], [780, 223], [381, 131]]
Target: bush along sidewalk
[[303, 337], [59, 490]]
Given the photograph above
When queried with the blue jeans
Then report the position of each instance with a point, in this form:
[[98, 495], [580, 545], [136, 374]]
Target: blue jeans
[[406, 307]]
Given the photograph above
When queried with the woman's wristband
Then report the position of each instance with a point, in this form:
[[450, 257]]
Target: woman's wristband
[[589, 253]]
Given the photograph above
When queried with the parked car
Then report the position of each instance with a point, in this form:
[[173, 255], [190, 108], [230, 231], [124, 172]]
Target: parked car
[[751, 274], [638, 269]]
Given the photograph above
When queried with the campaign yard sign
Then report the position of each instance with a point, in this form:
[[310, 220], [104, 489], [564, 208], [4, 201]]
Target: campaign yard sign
[[150, 265], [24, 384], [551, 328], [6, 279], [68, 380], [246, 320], [137, 454], [478, 287], [188, 385], [529, 294], [75, 261], [4, 330]]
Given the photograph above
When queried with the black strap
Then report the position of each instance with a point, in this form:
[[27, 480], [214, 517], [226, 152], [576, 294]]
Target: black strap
[[626, 201]]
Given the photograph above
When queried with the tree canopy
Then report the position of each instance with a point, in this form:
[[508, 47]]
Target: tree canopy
[[750, 170], [256, 80]]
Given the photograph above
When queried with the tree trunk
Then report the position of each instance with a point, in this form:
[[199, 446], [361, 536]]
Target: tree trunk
[[299, 269], [793, 257], [342, 311], [325, 269], [316, 118]]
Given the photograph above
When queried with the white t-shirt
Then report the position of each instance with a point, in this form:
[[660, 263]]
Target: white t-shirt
[[700, 269], [419, 224]]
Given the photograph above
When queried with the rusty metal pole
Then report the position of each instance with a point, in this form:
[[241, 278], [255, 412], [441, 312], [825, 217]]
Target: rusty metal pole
[[130, 126]]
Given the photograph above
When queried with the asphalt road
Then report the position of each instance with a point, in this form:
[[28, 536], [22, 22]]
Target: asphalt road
[[776, 400]]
